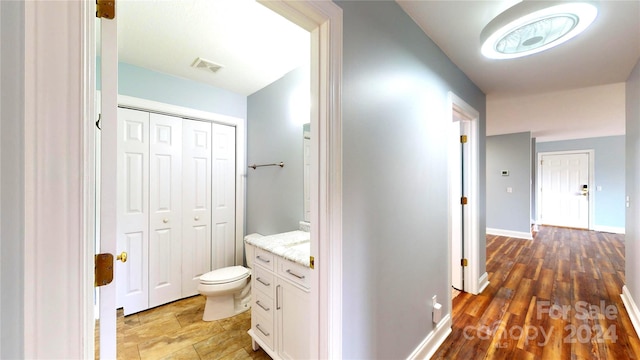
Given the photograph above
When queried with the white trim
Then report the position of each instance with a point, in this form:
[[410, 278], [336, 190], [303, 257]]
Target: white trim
[[632, 308], [483, 282], [510, 233], [241, 158], [471, 243], [89, 170], [432, 342], [56, 175], [591, 154], [609, 229], [324, 20]]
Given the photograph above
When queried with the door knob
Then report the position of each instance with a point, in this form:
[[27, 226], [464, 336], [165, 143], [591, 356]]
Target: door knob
[[122, 257]]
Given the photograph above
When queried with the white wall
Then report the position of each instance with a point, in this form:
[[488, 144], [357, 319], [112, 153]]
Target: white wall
[[573, 114]]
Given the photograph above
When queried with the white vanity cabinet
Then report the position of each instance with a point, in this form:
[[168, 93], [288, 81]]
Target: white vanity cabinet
[[280, 309]]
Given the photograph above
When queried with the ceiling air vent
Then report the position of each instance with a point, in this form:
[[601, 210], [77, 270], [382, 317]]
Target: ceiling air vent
[[206, 64]]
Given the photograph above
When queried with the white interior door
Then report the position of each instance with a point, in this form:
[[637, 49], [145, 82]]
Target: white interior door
[[223, 195], [455, 174], [108, 51], [196, 203], [165, 209], [564, 193], [133, 209]]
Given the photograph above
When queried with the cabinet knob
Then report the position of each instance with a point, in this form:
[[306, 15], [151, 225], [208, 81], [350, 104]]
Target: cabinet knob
[[196, 218], [165, 220]]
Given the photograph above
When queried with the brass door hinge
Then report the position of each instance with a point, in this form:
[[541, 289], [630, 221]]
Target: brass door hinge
[[106, 9], [463, 139], [103, 269], [463, 200], [312, 262], [464, 262]]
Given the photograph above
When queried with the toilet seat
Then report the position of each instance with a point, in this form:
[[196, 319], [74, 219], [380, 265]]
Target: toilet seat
[[225, 275]]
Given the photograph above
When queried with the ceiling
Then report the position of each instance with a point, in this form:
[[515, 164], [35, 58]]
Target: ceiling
[[254, 45], [605, 53]]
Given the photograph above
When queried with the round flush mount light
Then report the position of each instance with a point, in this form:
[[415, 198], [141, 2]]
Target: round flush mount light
[[512, 34]]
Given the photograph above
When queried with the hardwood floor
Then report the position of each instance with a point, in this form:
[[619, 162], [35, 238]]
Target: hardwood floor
[[176, 331], [556, 297]]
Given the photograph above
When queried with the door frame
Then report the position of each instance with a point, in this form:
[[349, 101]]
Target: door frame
[[592, 194], [474, 282], [59, 207]]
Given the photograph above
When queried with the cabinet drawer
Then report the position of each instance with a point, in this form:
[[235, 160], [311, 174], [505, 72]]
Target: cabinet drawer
[[262, 305], [263, 328], [294, 272], [263, 280], [264, 258]]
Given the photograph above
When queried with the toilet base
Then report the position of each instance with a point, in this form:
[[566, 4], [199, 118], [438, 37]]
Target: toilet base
[[222, 307]]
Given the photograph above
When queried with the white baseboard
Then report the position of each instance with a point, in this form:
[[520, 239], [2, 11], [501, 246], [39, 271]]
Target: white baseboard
[[483, 282], [432, 342], [510, 233], [632, 309], [609, 229]]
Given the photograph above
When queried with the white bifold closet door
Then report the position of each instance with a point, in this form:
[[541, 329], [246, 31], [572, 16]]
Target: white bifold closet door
[[132, 281], [224, 190], [196, 203], [165, 209], [176, 206]]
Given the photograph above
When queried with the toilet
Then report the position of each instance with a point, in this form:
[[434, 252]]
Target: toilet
[[228, 290]]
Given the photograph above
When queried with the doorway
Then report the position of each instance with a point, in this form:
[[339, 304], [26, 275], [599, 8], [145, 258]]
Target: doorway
[[464, 208], [324, 22], [564, 191]]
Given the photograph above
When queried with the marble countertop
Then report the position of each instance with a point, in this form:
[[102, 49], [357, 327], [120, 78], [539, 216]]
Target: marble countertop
[[293, 245]]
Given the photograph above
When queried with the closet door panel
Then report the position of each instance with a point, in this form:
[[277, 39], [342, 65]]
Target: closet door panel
[[132, 286], [223, 197], [196, 202], [165, 204]]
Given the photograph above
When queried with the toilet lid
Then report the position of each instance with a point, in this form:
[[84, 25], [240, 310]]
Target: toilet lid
[[225, 275]]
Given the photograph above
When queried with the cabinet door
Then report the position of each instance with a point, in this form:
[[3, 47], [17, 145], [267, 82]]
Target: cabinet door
[[224, 195], [165, 203], [292, 309], [132, 282], [196, 200]]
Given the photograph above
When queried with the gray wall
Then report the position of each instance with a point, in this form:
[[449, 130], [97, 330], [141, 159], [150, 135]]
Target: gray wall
[[11, 179], [632, 233], [609, 172], [509, 211], [156, 86], [395, 236], [274, 194]]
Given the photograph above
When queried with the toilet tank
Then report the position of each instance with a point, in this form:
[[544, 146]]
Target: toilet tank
[[249, 249]]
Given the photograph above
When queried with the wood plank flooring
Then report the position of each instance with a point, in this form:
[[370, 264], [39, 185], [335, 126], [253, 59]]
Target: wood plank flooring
[[556, 297], [176, 331]]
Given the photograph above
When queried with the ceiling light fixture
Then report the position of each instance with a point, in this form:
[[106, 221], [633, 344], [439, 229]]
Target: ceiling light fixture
[[511, 35]]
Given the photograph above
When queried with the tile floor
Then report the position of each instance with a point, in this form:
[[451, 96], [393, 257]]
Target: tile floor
[[176, 331]]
